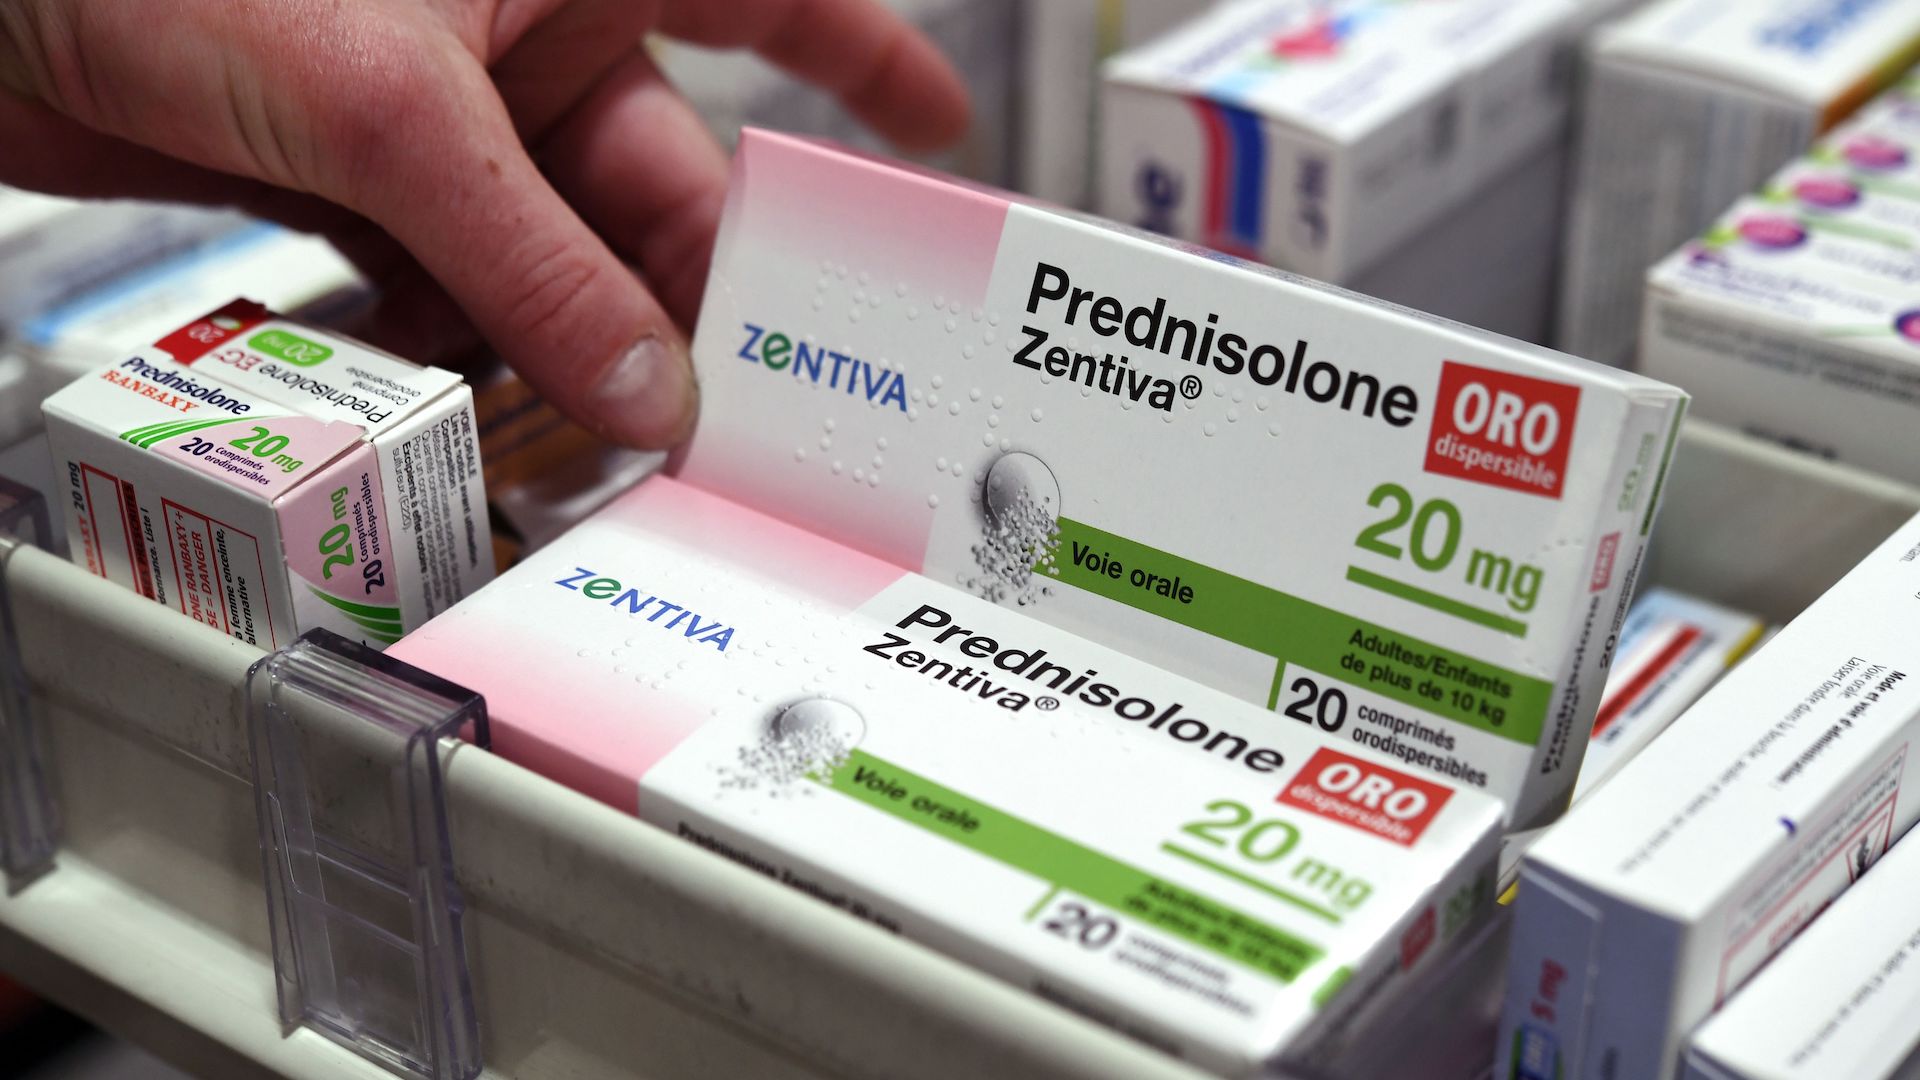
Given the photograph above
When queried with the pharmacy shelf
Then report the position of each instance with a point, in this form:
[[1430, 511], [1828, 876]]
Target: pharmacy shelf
[[1765, 529], [602, 947], [599, 946]]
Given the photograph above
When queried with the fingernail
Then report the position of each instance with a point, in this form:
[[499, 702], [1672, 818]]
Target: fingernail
[[645, 398]]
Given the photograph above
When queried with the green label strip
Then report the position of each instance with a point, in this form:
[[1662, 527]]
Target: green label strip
[[1171, 909], [292, 348], [1883, 186], [1445, 605], [1292, 630], [1666, 459], [381, 623], [145, 437]]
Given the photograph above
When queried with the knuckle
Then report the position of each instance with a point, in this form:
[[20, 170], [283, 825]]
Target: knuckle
[[370, 95], [44, 54], [22, 52], [871, 79], [547, 289]]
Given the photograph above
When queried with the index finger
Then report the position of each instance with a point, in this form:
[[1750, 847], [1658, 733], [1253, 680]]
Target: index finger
[[886, 72]]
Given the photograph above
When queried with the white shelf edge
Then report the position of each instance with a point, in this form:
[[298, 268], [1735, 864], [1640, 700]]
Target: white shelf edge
[[187, 993], [832, 992]]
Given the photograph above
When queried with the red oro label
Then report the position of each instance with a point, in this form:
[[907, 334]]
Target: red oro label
[[1366, 795], [1413, 943], [1603, 557], [202, 336], [1510, 431]]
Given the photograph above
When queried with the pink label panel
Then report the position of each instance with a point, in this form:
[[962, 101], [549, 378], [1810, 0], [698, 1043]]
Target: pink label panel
[[267, 454], [339, 542]]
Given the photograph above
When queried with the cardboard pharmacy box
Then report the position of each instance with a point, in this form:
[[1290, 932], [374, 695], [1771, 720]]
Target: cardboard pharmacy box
[[1669, 886], [1796, 317], [53, 249], [1350, 141], [1063, 43], [1690, 104], [1397, 530], [1671, 649], [293, 273], [1192, 870], [1843, 1000], [264, 477]]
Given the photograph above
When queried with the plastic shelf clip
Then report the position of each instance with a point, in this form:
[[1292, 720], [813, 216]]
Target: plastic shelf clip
[[367, 945], [29, 818]]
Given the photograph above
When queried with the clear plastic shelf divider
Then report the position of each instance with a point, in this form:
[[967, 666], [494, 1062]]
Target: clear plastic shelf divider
[[367, 945], [29, 819]]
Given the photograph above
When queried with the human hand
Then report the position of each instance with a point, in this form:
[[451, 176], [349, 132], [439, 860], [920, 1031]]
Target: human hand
[[497, 162]]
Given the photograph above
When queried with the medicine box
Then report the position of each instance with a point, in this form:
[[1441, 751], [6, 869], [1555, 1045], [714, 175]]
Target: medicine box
[[1662, 892], [1841, 1000], [1794, 317], [1413, 152], [1688, 105], [1413, 535], [265, 477], [1220, 882]]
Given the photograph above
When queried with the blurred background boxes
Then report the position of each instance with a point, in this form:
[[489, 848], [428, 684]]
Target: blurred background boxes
[[1688, 105], [1413, 152], [1796, 317]]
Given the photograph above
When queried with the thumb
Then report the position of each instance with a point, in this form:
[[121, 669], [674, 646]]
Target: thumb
[[446, 175]]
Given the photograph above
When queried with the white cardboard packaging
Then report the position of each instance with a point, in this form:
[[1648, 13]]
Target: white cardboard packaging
[[1688, 105], [1063, 44], [1210, 878], [1335, 139], [1843, 1000], [289, 272], [1794, 318], [1672, 649], [1660, 893], [1489, 264], [1836, 198], [1236, 498], [264, 477], [1812, 348], [53, 249]]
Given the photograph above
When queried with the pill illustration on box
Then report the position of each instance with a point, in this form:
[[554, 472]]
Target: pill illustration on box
[[1019, 484], [820, 718]]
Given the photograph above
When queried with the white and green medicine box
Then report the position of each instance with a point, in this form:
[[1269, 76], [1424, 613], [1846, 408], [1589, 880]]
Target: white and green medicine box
[[1415, 537], [264, 477]]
